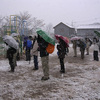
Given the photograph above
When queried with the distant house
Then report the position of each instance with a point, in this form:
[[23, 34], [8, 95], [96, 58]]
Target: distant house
[[88, 30], [64, 30]]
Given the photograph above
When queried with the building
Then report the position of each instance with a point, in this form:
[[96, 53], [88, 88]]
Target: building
[[88, 30], [64, 30]]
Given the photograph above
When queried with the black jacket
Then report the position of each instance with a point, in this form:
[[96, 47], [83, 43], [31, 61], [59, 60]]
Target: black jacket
[[10, 52], [61, 49], [82, 45], [42, 46]]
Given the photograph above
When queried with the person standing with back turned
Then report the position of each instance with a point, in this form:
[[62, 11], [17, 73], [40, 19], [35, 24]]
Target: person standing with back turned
[[44, 57], [61, 54], [11, 54], [35, 53]]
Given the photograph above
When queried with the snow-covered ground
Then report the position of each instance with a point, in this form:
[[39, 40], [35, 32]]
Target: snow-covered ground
[[80, 82]]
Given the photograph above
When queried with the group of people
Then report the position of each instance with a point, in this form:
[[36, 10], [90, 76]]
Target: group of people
[[85, 45], [32, 46], [37, 44], [79, 43]]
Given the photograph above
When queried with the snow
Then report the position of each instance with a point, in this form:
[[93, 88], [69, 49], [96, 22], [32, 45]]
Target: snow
[[80, 82], [90, 26]]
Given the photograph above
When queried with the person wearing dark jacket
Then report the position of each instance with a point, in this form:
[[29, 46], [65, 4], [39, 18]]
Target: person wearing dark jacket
[[44, 57], [11, 52], [28, 46], [82, 46], [61, 47]]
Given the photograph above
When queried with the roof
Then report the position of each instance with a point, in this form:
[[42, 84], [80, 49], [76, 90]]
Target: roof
[[90, 26], [63, 24]]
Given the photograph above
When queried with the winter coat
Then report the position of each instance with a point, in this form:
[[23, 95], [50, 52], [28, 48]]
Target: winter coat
[[87, 44], [96, 47], [82, 45], [42, 46], [74, 44], [61, 47], [29, 44], [10, 52], [25, 42], [35, 49]]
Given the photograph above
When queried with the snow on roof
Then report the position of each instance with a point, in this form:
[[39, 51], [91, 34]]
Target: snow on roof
[[63, 24], [89, 26]]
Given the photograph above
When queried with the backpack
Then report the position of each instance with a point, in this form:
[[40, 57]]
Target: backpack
[[29, 44], [50, 48], [83, 45]]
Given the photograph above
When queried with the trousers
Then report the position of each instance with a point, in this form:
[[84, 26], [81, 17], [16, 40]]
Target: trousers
[[45, 66]]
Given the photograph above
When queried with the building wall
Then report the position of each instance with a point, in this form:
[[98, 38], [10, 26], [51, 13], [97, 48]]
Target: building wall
[[87, 32], [64, 30], [72, 32]]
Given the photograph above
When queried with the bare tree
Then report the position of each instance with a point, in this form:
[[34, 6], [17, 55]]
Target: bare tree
[[37, 24], [29, 23], [25, 16], [24, 22], [1, 20], [1, 25], [49, 30], [6, 20]]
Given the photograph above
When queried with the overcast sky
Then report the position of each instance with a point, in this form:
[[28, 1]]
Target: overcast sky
[[55, 11]]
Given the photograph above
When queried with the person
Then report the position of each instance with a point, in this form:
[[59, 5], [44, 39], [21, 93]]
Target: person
[[75, 47], [44, 57], [61, 47], [95, 49], [17, 55], [11, 54], [87, 46], [82, 46], [35, 53], [67, 50], [28, 45]]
